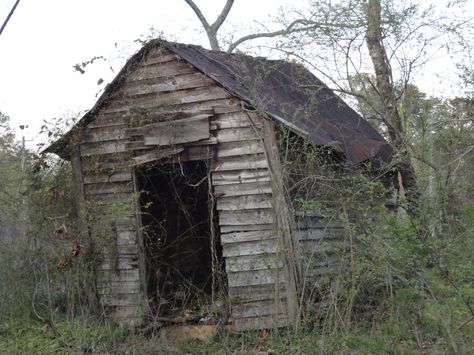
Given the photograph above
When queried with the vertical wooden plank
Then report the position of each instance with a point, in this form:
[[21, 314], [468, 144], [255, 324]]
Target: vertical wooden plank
[[78, 183], [141, 245], [282, 212], [82, 229]]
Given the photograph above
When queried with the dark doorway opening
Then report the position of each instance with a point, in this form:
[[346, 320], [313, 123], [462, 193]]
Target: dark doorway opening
[[183, 255]]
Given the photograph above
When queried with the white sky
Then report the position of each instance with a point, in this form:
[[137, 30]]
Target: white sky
[[44, 39]]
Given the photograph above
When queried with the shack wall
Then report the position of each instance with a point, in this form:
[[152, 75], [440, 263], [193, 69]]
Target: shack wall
[[129, 130]]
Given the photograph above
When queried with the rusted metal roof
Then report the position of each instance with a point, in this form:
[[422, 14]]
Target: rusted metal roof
[[287, 92]]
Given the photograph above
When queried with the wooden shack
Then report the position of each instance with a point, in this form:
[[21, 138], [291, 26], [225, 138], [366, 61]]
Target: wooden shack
[[178, 175]]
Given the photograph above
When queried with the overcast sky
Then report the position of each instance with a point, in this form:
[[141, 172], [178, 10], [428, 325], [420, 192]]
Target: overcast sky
[[44, 40]]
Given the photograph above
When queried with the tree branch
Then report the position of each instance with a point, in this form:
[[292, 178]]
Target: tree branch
[[221, 18], [9, 16], [199, 14], [287, 30], [211, 30]]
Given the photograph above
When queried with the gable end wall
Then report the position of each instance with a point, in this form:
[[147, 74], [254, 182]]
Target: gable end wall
[[161, 87]]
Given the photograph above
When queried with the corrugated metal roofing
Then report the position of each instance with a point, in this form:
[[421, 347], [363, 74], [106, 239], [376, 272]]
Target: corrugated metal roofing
[[287, 92]]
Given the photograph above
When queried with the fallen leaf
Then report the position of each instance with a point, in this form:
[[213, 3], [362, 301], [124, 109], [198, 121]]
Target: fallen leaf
[[77, 249], [62, 262], [61, 233], [264, 333], [47, 326]]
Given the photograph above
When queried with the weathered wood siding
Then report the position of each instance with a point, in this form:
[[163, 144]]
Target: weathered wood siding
[[320, 241], [151, 117], [250, 235]]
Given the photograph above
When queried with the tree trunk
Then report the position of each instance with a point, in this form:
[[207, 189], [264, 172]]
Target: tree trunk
[[386, 91]]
